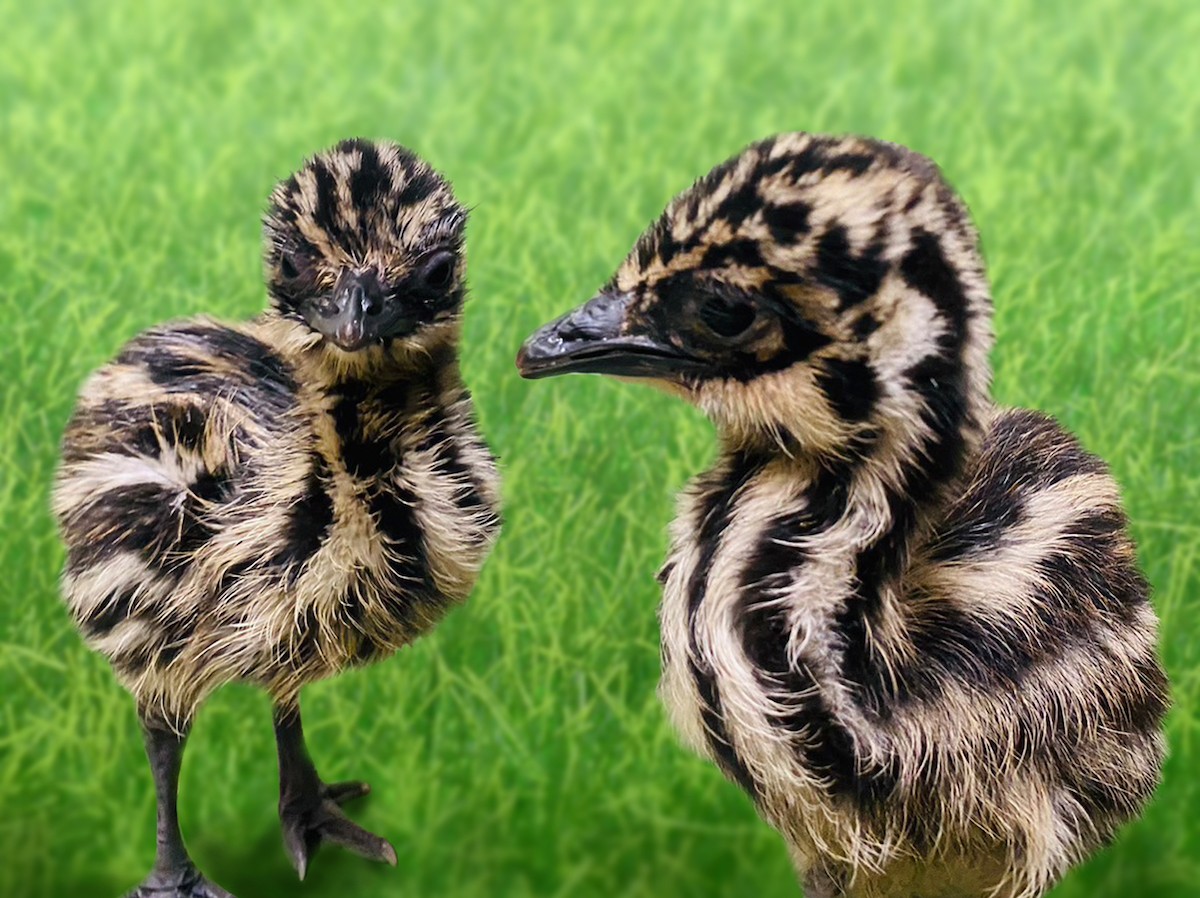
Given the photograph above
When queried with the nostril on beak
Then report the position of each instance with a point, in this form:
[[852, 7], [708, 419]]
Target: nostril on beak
[[364, 299], [598, 318]]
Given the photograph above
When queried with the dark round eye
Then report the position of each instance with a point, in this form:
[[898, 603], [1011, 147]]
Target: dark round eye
[[726, 318], [438, 271], [287, 265]]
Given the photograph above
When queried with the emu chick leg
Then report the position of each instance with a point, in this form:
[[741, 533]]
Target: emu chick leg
[[174, 875]]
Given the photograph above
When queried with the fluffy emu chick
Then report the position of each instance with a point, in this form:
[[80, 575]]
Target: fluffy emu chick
[[907, 622], [277, 500]]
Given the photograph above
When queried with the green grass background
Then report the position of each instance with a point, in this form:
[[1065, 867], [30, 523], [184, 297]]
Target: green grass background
[[520, 750]]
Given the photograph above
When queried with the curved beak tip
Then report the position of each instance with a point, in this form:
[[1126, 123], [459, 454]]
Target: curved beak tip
[[536, 353], [350, 336]]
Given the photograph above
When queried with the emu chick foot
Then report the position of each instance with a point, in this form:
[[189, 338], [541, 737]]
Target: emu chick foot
[[186, 882], [316, 817]]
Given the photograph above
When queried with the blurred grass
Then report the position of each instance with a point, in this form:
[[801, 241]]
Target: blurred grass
[[520, 750]]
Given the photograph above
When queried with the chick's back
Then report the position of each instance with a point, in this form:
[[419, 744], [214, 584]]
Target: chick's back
[[158, 457]]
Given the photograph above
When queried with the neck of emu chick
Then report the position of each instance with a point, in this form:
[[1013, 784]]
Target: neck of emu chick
[[374, 395], [856, 515], [818, 602]]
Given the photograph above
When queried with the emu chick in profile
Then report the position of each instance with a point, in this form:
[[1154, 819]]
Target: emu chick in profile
[[907, 622], [275, 501]]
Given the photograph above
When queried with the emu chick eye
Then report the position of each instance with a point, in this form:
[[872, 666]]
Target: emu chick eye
[[438, 272], [726, 318]]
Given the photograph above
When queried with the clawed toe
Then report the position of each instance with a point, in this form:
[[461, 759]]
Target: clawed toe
[[184, 883], [304, 831], [340, 793]]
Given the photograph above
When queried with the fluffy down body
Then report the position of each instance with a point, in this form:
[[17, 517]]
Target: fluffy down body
[[235, 511]]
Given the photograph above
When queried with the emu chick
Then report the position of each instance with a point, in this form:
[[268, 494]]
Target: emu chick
[[277, 500], [907, 622]]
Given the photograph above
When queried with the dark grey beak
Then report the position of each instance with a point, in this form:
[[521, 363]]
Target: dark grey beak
[[355, 300], [600, 337], [359, 312]]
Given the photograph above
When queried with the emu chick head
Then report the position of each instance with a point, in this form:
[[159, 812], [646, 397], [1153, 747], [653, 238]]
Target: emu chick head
[[803, 293], [364, 244]]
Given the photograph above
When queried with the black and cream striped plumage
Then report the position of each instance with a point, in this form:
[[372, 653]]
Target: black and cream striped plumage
[[253, 502], [909, 623]]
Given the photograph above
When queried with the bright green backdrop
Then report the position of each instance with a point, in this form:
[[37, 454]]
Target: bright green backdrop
[[520, 750]]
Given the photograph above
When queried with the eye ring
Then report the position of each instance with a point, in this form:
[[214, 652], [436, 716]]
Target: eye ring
[[727, 318], [437, 272]]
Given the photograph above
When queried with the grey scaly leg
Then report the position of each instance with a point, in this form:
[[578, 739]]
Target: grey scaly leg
[[174, 875]]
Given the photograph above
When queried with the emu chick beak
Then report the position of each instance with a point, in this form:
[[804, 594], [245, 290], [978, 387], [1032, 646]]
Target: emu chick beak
[[603, 336]]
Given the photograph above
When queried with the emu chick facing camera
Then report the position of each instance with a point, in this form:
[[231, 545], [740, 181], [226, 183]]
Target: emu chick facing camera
[[907, 622], [275, 501]]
